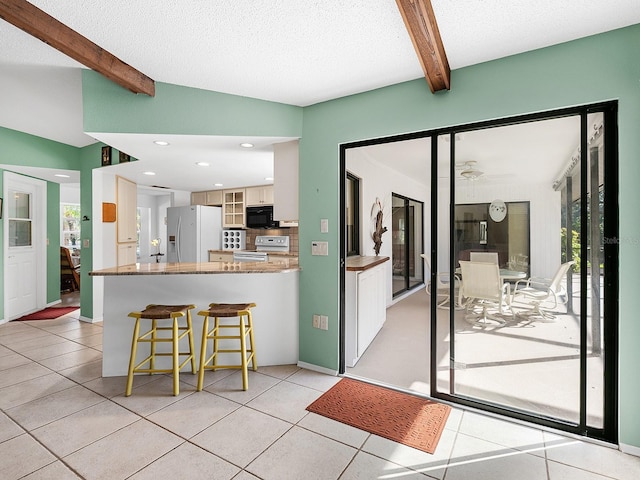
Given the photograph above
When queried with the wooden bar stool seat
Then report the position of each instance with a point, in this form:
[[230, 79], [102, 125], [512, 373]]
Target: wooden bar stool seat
[[244, 325], [177, 332]]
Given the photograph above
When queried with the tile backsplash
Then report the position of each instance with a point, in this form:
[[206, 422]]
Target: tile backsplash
[[292, 232]]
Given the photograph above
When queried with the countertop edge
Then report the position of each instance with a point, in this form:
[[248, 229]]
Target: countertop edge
[[205, 268], [365, 263]]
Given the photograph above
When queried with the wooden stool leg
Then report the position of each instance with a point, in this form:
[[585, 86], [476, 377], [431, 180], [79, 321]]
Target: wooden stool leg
[[192, 349], [203, 353], [251, 343], [216, 333], [152, 361], [176, 358], [243, 352], [132, 360]]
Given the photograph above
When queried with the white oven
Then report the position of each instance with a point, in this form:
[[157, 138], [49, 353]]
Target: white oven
[[264, 245]]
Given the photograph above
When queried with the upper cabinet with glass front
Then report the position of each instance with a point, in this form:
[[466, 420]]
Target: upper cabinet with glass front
[[233, 208]]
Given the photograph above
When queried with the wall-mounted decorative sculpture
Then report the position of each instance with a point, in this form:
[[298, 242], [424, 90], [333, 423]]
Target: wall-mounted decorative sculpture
[[377, 211]]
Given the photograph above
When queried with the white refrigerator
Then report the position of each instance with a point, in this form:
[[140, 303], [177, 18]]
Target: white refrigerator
[[192, 231]]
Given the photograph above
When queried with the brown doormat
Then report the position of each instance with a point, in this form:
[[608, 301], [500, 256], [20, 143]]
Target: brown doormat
[[48, 313], [403, 418]]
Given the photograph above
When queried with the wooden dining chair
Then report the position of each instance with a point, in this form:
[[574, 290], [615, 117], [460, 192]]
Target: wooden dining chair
[[69, 273]]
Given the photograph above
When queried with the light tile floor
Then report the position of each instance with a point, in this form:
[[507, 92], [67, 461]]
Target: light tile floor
[[59, 419]]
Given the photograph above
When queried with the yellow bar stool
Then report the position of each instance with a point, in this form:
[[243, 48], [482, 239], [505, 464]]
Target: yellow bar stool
[[157, 313], [247, 355]]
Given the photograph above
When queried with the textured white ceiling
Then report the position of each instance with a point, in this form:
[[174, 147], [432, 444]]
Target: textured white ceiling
[[298, 52]]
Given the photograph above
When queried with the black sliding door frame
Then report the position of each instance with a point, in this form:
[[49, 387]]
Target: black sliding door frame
[[609, 430]]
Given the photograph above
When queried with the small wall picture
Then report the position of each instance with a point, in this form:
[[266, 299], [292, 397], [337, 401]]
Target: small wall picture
[[106, 156], [483, 232], [124, 157]]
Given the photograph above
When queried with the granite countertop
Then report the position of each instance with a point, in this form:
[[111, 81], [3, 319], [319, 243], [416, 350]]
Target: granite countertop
[[273, 266], [360, 263]]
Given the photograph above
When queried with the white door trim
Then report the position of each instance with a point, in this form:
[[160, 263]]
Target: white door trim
[[39, 236]]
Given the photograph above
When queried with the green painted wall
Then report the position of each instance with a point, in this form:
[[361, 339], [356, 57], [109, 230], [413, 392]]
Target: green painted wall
[[18, 148], [90, 158], [53, 245], [589, 70], [181, 110]]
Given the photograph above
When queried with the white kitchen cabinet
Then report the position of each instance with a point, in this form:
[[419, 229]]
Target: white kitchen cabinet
[[127, 203], [127, 253], [285, 181], [257, 196], [233, 208], [365, 310]]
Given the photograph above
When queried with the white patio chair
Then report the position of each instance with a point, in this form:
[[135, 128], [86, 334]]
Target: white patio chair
[[536, 291], [491, 257], [483, 287], [442, 287]]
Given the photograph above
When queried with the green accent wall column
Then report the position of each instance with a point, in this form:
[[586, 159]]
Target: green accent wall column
[[53, 247], [90, 158]]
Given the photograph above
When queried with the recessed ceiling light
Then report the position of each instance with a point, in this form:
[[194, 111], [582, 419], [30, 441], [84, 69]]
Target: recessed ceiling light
[[149, 173], [268, 179], [246, 145], [202, 164], [162, 143], [62, 175], [217, 184]]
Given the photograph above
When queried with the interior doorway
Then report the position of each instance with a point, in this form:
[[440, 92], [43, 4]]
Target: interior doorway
[[407, 238]]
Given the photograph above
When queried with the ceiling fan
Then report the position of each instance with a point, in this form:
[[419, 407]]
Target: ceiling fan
[[468, 170]]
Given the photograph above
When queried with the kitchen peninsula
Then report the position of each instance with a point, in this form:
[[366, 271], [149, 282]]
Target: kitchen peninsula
[[272, 286]]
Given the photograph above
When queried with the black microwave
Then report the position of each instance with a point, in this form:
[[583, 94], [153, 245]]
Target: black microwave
[[261, 217]]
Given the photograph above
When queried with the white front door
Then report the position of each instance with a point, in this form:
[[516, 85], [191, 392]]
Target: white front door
[[24, 245]]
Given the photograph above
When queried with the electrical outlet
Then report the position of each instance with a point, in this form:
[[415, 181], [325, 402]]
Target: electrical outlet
[[316, 321], [324, 322]]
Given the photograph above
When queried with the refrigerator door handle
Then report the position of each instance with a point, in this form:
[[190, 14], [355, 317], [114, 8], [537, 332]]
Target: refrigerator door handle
[[178, 238]]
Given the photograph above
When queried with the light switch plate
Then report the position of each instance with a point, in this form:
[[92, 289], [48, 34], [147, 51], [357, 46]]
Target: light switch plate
[[324, 225], [319, 248]]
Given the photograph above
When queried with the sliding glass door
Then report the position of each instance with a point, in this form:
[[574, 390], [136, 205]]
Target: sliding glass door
[[407, 238], [534, 327], [522, 216]]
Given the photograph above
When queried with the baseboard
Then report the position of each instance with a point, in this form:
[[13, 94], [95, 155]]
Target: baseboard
[[317, 368], [51, 304], [630, 449], [89, 320]]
